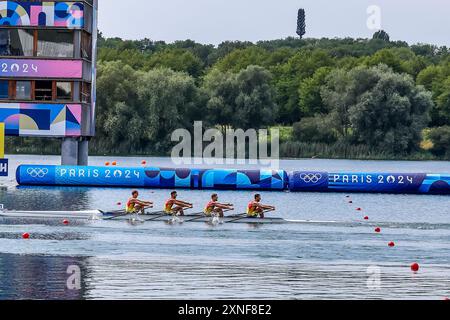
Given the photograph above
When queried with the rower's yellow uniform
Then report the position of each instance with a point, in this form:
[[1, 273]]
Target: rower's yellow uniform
[[168, 207], [129, 208], [251, 211], [209, 209]]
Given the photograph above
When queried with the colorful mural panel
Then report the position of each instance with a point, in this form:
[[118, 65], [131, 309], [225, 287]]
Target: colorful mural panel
[[30, 68], [41, 120], [49, 14]]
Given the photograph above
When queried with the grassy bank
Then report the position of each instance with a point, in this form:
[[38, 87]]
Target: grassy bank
[[288, 150]]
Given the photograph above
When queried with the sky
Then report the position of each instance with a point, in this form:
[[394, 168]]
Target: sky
[[214, 21]]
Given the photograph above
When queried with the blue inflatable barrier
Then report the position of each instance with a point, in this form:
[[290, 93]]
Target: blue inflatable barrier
[[407, 183], [223, 179], [152, 177]]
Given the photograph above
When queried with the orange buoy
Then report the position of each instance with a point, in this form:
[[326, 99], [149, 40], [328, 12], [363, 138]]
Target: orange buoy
[[415, 267], [378, 230], [26, 235], [391, 244], [114, 163], [106, 163], [66, 222], [366, 218]]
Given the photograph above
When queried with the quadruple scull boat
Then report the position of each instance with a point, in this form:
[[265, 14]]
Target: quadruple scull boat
[[147, 217]]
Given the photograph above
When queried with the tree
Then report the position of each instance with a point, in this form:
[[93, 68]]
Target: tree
[[301, 23], [314, 129], [119, 116], [176, 59], [441, 141], [255, 103], [378, 107], [170, 101], [289, 76], [381, 35], [437, 80], [244, 100], [240, 59], [309, 92], [387, 57]]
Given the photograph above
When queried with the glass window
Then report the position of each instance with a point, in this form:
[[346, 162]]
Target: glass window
[[4, 89], [43, 91], [64, 91], [55, 43], [85, 92], [16, 42], [23, 90]]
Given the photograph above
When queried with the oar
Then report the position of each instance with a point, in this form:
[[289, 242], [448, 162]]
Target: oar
[[204, 216], [163, 214], [244, 216], [121, 215]]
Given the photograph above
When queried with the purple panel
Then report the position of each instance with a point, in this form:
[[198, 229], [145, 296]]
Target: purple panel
[[32, 68]]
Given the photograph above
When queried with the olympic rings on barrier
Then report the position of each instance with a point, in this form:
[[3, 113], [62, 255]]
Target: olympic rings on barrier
[[311, 177], [37, 172]]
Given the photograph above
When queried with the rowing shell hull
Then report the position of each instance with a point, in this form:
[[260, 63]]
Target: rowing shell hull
[[176, 220], [99, 215]]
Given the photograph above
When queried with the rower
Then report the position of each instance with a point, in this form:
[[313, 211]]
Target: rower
[[134, 205], [215, 207], [176, 207], [255, 209]]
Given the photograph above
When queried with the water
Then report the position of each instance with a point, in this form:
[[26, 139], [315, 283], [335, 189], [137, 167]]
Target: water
[[329, 260]]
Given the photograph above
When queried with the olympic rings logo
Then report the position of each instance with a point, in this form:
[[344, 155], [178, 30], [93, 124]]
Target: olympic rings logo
[[311, 177], [37, 172]]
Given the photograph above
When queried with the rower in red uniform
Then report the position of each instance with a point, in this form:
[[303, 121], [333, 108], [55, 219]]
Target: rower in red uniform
[[176, 207], [134, 205], [255, 209], [215, 207]]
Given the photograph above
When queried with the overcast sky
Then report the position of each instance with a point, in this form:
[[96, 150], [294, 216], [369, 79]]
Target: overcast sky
[[214, 21]]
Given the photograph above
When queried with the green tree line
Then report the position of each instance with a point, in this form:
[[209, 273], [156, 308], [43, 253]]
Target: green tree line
[[332, 98]]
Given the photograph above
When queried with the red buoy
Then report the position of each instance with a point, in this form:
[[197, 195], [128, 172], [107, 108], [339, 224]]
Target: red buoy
[[391, 244], [119, 203], [377, 230], [26, 235], [358, 209], [366, 218], [106, 163], [66, 222], [415, 267], [144, 162]]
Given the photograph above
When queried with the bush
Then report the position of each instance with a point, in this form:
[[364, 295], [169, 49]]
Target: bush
[[315, 129], [441, 141]]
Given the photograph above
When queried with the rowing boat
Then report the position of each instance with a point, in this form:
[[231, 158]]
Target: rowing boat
[[147, 217]]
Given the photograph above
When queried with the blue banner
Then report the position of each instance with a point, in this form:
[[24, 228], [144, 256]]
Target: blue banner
[[225, 179]]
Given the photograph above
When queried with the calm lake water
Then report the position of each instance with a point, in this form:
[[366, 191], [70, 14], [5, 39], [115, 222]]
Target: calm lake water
[[331, 260]]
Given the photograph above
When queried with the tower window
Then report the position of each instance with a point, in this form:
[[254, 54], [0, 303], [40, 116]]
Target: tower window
[[64, 91], [16, 42], [23, 90], [55, 43], [4, 89], [43, 91]]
